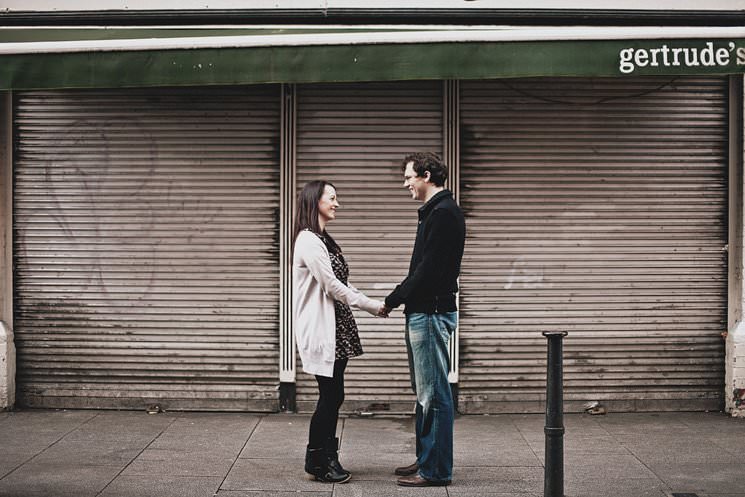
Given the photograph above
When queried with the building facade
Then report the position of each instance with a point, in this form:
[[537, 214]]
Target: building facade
[[149, 174]]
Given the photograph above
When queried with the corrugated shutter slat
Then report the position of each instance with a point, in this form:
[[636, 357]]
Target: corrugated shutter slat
[[356, 136], [596, 207], [146, 248]]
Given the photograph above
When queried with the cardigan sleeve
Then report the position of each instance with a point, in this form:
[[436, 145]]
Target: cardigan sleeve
[[315, 256]]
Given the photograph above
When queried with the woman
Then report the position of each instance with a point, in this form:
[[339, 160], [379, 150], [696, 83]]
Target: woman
[[325, 329]]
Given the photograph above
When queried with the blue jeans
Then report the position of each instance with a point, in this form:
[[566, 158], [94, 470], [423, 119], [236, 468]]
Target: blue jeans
[[427, 338]]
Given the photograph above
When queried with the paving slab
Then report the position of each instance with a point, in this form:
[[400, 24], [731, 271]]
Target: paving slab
[[487, 425], [372, 448], [508, 454], [131, 454], [283, 474], [635, 424], [162, 486], [207, 433], [701, 478], [216, 425], [65, 479], [91, 453], [611, 466], [377, 488], [469, 481], [615, 487], [386, 451], [43, 426], [721, 495], [11, 458], [710, 422], [137, 427], [272, 493], [366, 469], [166, 462], [486, 430], [530, 425], [378, 431], [728, 444], [382, 437], [679, 451], [203, 445], [278, 436]]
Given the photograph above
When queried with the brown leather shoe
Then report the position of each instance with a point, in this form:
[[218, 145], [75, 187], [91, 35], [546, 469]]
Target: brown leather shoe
[[407, 470], [418, 481]]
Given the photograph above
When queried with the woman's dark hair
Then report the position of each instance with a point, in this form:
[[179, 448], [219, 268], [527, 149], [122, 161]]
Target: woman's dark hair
[[306, 214], [427, 161]]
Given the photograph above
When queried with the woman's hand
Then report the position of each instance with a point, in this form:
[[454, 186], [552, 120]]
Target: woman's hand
[[384, 311]]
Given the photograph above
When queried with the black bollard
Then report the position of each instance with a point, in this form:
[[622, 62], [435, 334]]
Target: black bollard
[[553, 480]]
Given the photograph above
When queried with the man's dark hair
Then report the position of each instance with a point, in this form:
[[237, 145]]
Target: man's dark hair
[[427, 161]]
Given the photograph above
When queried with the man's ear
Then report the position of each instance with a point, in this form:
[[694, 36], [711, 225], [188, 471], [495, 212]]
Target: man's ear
[[427, 175]]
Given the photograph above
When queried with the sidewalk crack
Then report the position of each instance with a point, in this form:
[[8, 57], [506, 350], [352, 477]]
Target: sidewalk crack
[[49, 446], [135, 457]]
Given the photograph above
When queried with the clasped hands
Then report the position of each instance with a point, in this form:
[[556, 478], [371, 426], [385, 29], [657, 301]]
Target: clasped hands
[[384, 311]]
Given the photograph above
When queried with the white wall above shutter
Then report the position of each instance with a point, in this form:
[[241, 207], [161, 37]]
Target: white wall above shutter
[[146, 248]]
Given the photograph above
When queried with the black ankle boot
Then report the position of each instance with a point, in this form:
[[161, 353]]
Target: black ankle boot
[[331, 446], [309, 467], [319, 466]]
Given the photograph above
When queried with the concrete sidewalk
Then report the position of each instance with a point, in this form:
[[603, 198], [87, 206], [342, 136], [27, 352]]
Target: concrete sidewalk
[[127, 454]]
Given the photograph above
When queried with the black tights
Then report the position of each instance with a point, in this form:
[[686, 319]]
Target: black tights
[[330, 398]]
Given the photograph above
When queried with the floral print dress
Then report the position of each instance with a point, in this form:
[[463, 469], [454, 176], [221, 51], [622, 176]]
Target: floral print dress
[[348, 343]]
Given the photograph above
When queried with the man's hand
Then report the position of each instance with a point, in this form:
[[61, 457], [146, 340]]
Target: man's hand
[[384, 311]]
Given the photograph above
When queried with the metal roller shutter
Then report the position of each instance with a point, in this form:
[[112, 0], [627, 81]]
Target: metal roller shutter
[[146, 248], [355, 136], [597, 207]]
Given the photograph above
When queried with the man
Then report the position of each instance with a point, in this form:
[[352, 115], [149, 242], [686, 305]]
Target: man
[[428, 293]]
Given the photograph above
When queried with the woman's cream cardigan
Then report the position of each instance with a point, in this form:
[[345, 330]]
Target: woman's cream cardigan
[[314, 289]]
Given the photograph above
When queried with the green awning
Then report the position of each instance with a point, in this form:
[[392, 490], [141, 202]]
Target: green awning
[[122, 57]]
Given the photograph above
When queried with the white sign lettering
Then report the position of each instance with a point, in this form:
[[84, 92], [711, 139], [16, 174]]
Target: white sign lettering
[[629, 59]]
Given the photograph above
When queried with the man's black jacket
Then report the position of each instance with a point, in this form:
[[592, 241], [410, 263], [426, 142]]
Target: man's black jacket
[[432, 282]]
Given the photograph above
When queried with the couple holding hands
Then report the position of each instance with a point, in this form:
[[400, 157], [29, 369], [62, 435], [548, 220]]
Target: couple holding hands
[[327, 335]]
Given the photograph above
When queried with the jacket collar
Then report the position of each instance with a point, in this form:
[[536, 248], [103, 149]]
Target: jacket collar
[[431, 203]]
